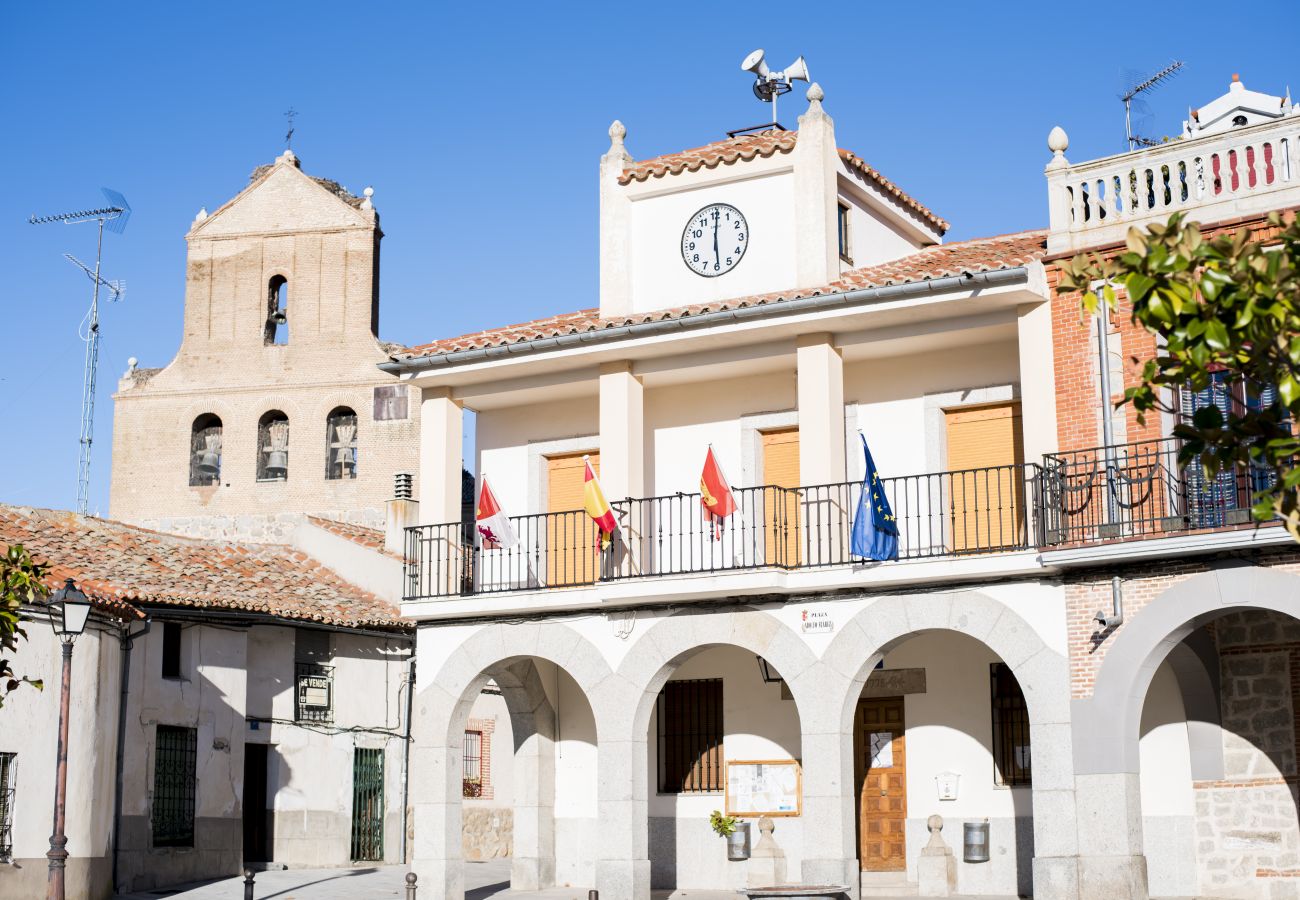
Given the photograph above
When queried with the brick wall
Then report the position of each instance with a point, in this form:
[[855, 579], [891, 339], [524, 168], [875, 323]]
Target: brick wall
[[284, 225]]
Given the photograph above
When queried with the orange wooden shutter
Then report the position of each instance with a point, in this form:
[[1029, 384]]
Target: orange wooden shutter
[[986, 502], [781, 510], [571, 555]]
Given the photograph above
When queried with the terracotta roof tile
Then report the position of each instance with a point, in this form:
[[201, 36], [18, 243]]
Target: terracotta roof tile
[[764, 144], [370, 538], [118, 564], [980, 255]]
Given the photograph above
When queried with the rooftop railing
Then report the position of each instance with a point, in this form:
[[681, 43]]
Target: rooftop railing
[[1235, 173], [942, 514]]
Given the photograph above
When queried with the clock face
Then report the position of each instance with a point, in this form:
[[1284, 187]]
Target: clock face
[[714, 240]]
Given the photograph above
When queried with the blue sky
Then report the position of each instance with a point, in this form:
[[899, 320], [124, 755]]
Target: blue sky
[[480, 127]]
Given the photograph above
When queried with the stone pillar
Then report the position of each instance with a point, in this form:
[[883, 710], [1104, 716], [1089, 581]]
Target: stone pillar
[[623, 859], [829, 805], [615, 228], [821, 410], [435, 851], [1109, 813], [532, 865], [816, 196], [441, 433], [622, 432], [1037, 380]]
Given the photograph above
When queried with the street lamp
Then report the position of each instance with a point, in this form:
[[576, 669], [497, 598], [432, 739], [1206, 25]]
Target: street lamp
[[69, 612]]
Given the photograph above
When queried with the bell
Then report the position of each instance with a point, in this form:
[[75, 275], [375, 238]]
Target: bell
[[209, 462], [343, 459], [277, 462]]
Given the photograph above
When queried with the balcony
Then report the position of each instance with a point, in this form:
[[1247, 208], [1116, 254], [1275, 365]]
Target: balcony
[[1076, 501], [943, 514], [1237, 173]]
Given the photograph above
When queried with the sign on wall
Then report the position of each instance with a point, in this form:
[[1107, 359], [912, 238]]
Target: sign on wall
[[764, 787], [814, 620]]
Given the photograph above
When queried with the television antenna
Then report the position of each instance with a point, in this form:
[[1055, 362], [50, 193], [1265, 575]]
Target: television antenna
[[769, 85], [114, 218], [1133, 87]]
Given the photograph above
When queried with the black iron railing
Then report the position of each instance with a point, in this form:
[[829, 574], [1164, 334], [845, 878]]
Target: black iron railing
[[1137, 490], [973, 511]]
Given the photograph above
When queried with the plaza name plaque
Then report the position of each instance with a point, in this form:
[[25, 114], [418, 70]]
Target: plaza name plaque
[[764, 787]]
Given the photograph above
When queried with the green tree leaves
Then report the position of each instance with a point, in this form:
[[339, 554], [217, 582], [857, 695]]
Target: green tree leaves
[[20, 583]]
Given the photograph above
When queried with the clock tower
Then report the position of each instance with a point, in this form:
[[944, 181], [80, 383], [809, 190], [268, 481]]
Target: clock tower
[[760, 212]]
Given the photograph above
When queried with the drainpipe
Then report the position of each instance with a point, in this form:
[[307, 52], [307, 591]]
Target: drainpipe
[[1116, 617], [406, 755], [127, 639]]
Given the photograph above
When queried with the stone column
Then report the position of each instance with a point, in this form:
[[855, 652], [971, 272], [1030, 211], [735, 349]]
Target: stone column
[[821, 410], [1037, 380], [532, 865], [441, 433], [623, 859]]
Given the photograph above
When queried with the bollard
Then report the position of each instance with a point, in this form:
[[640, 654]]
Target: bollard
[[593, 894], [410, 886], [248, 884]]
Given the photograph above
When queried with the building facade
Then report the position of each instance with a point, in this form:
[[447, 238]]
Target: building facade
[[272, 407], [1088, 651]]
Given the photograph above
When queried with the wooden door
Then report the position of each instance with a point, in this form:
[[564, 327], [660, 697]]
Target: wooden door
[[783, 530], [572, 539], [986, 502], [880, 748]]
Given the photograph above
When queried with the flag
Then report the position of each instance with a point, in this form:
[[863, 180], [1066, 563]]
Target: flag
[[495, 530], [715, 494], [875, 530], [593, 500]]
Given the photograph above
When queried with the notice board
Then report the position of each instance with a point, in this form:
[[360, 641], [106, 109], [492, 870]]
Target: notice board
[[764, 787]]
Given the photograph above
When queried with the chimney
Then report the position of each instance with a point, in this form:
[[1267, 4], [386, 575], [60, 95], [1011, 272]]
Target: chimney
[[401, 513]]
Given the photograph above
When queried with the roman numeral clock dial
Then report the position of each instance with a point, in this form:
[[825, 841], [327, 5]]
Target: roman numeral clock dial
[[714, 240]]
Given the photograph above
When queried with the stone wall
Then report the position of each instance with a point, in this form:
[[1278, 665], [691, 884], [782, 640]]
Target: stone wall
[[487, 832]]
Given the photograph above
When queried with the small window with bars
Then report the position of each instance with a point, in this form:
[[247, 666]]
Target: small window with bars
[[473, 765], [173, 786], [1011, 756], [314, 698], [8, 797], [689, 715], [842, 232]]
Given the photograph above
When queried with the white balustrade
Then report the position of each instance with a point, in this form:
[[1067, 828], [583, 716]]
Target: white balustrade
[[1211, 179]]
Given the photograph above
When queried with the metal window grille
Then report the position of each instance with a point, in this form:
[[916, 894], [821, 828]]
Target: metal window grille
[[690, 736], [367, 804], [341, 445], [314, 696], [205, 451], [273, 447], [472, 766], [8, 795], [173, 786], [1011, 753]]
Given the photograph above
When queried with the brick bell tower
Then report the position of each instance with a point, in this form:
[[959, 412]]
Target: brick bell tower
[[273, 406]]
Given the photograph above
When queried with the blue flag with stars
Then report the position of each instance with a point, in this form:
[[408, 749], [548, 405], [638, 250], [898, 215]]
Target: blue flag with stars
[[875, 530]]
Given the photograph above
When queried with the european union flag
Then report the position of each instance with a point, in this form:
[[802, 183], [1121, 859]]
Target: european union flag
[[875, 530]]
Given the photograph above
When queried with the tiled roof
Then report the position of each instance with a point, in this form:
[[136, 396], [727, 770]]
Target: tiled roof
[[980, 255], [116, 563], [370, 538], [745, 147]]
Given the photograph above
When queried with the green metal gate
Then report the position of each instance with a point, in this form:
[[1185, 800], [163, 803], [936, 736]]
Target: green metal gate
[[368, 804]]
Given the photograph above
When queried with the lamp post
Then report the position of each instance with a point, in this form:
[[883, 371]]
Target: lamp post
[[69, 612]]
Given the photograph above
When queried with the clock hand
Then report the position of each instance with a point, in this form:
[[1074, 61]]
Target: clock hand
[[717, 259]]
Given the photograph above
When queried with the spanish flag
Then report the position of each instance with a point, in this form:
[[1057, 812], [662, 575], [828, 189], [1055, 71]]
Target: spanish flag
[[715, 493], [593, 500]]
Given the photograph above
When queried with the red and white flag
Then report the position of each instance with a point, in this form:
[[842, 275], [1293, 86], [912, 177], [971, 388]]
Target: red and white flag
[[715, 493], [495, 530]]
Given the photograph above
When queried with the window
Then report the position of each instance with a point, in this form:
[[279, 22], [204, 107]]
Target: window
[[273, 447], [171, 650], [842, 230], [367, 803], [313, 679], [341, 444], [173, 786], [1239, 121], [8, 793], [473, 766], [277, 311], [1011, 757], [205, 451], [690, 736]]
